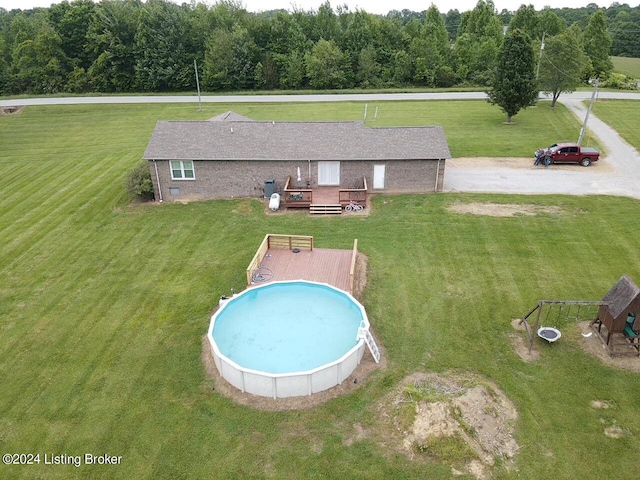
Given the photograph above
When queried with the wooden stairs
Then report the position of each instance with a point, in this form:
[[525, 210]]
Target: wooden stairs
[[325, 209]]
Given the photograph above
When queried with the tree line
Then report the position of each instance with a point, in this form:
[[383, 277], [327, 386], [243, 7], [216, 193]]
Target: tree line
[[130, 46]]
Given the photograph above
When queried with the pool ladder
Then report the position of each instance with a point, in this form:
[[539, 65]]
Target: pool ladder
[[371, 343]]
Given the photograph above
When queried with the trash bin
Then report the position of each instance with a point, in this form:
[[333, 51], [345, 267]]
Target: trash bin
[[269, 188]]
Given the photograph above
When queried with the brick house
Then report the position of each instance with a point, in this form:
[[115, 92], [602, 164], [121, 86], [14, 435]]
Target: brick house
[[232, 156]]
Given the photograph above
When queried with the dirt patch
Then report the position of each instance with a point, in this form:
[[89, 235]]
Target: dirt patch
[[520, 342], [14, 110], [614, 431], [356, 380], [468, 411], [603, 404], [502, 209], [594, 346]]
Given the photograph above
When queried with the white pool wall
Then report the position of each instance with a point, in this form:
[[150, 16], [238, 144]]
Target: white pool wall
[[296, 384]]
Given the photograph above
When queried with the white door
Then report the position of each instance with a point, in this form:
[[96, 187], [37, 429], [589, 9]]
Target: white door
[[378, 176], [329, 173]]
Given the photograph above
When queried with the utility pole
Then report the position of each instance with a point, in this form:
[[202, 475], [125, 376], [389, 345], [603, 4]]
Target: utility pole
[[586, 117], [195, 67], [540, 57]]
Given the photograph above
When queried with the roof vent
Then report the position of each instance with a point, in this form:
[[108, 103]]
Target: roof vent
[[231, 129]]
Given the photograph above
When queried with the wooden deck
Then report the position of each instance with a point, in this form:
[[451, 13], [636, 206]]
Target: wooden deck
[[317, 265], [326, 195], [323, 196]]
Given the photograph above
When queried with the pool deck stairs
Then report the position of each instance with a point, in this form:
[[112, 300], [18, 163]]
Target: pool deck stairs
[[371, 343]]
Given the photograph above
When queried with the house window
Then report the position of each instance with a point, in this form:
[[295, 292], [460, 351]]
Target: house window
[[182, 170]]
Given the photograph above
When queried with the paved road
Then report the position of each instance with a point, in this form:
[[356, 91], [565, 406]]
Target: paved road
[[618, 174], [356, 97]]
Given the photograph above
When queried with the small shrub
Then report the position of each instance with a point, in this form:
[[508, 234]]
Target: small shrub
[[138, 181], [619, 81]]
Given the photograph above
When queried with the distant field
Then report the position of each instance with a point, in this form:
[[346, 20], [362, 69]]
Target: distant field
[[623, 116], [103, 306], [627, 66]]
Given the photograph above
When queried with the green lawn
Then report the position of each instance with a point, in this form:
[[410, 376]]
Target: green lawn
[[627, 66], [103, 305], [623, 116]]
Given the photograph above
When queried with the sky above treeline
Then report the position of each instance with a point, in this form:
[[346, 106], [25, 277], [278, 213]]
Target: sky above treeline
[[371, 6]]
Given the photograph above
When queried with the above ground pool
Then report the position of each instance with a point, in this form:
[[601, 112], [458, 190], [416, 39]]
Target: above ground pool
[[287, 339]]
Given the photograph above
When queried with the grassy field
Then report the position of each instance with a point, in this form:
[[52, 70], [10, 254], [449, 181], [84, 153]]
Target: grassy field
[[623, 116], [103, 305], [627, 66]]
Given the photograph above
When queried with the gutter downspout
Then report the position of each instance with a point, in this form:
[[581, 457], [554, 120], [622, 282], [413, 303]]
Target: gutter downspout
[[435, 188], [158, 180]]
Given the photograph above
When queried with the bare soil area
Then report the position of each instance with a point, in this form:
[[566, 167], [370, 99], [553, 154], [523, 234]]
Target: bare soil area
[[426, 408], [502, 209], [11, 110]]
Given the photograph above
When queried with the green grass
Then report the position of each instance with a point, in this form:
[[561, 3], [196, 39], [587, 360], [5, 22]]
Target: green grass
[[103, 307], [623, 116], [627, 66]]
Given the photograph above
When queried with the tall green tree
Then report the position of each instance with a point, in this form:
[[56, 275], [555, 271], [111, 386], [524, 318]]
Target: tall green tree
[[368, 74], [39, 64], [292, 69], [550, 23], [452, 23], [597, 45], [479, 39], [230, 60], [435, 31], [626, 42], [72, 22], [526, 19], [514, 85], [112, 41], [326, 65], [562, 63], [162, 60]]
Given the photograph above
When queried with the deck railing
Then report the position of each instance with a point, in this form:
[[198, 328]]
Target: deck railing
[[303, 242], [352, 270], [357, 195], [303, 197], [297, 197]]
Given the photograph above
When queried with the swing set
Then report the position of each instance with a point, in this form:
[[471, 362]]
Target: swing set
[[552, 315]]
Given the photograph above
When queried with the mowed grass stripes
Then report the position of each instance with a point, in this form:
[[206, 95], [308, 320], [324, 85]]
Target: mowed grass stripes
[[103, 306]]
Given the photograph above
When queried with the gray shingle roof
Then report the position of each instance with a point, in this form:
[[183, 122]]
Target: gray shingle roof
[[230, 116], [621, 294], [245, 140]]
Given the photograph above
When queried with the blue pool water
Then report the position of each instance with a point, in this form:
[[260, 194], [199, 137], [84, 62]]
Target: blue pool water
[[287, 327]]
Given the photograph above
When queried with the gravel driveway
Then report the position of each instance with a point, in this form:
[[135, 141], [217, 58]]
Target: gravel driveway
[[616, 174]]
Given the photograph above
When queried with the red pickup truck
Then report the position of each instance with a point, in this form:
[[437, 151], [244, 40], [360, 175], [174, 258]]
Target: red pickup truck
[[567, 153]]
